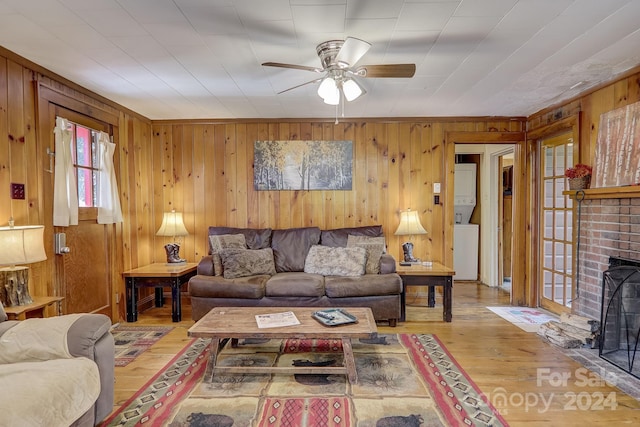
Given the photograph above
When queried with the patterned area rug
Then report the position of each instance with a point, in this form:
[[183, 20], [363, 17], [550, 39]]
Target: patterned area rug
[[403, 380], [131, 341]]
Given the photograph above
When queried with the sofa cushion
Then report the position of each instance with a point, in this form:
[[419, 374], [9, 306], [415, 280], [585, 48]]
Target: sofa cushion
[[362, 286], [291, 246], [329, 261], [256, 238], [338, 237], [224, 241], [250, 287], [295, 284], [247, 262], [374, 247]]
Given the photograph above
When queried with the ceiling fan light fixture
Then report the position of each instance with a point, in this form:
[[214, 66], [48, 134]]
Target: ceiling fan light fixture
[[352, 90], [329, 92]]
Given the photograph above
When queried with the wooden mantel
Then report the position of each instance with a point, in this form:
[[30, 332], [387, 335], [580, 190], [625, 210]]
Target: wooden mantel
[[627, 192]]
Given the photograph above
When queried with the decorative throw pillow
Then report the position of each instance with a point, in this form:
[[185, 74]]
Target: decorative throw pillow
[[3, 314], [247, 262], [330, 261], [224, 241], [374, 247]]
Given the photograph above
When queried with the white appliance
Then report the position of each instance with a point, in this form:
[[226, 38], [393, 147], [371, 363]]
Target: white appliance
[[464, 192], [465, 251], [465, 235]]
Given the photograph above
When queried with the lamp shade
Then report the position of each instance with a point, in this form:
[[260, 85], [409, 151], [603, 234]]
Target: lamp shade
[[172, 225], [409, 224], [21, 245]]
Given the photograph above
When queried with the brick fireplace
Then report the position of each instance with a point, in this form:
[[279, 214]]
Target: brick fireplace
[[609, 227]]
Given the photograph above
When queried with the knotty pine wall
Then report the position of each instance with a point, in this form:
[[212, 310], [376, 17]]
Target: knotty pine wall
[[205, 170], [28, 95]]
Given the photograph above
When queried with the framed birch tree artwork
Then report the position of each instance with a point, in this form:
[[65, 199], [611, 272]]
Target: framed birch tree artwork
[[303, 165], [617, 159]]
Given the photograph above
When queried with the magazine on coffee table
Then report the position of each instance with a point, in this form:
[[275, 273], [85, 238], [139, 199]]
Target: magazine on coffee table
[[276, 320]]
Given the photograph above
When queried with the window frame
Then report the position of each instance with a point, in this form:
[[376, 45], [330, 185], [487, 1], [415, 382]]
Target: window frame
[[85, 213]]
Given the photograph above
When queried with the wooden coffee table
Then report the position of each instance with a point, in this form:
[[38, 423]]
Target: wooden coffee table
[[222, 323]]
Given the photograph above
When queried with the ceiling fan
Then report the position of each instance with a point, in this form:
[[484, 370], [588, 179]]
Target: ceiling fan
[[339, 59]]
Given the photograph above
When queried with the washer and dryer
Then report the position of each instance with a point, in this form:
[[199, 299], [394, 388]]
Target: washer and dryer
[[465, 235]]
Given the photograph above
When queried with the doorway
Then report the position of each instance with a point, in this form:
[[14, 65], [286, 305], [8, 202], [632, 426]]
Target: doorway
[[505, 220], [489, 212]]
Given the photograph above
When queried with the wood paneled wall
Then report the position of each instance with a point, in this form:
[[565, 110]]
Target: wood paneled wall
[[205, 170], [28, 94]]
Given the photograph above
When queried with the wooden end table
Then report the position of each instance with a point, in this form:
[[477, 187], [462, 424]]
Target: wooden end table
[[222, 323], [158, 275], [35, 309], [435, 275]]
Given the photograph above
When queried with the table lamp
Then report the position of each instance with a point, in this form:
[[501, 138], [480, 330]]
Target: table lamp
[[19, 245], [409, 225], [173, 225]]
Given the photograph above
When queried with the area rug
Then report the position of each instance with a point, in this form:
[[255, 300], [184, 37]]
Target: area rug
[[403, 380], [131, 341], [527, 319]]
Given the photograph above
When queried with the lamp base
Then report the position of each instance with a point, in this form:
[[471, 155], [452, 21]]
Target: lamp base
[[173, 254], [14, 286]]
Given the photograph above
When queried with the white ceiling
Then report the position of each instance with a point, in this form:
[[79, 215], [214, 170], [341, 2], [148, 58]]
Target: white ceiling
[[172, 59]]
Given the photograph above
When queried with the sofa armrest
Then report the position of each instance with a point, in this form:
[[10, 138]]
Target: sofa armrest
[[90, 337], [85, 333], [205, 266], [387, 264]]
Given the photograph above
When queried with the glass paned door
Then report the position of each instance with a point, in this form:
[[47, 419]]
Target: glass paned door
[[556, 219]]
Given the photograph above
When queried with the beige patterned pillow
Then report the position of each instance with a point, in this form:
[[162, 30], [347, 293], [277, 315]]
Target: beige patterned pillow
[[331, 261], [374, 247], [224, 241], [247, 262]]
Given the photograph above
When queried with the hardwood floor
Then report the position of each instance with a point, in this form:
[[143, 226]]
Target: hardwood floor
[[531, 382]]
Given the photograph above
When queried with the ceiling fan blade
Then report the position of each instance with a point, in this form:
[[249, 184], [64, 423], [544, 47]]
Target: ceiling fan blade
[[300, 85], [292, 66], [387, 70], [351, 51]]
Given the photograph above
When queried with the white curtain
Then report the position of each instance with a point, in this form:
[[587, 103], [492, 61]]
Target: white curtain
[[109, 210], [65, 194]]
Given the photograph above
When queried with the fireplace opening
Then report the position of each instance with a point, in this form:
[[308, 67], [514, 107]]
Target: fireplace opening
[[620, 316]]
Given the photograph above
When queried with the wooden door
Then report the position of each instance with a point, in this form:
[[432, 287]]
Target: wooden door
[[83, 273], [556, 287], [82, 276]]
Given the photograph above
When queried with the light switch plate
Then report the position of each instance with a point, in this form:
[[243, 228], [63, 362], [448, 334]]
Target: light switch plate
[[436, 188], [17, 191]]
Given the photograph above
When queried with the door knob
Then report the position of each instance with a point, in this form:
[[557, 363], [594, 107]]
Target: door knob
[[60, 241]]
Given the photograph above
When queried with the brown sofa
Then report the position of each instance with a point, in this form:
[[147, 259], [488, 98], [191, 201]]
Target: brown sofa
[[286, 284]]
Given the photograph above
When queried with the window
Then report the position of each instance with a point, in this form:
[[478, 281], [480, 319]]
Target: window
[[85, 176], [85, 161]]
